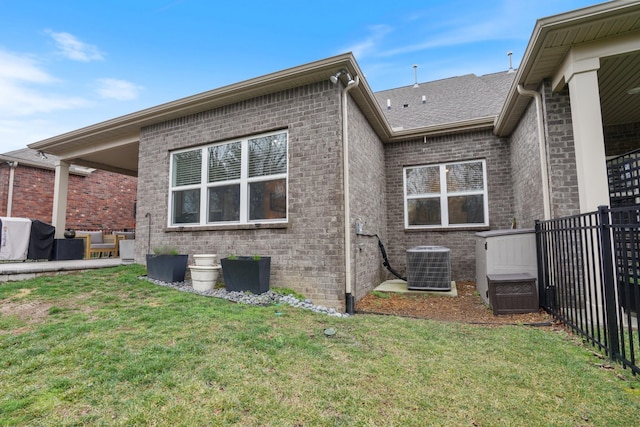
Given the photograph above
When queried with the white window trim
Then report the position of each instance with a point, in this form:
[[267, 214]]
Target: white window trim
[[443, 194], [243, 181]]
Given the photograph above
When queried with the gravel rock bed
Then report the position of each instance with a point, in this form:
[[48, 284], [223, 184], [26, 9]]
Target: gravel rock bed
[[267, 298]]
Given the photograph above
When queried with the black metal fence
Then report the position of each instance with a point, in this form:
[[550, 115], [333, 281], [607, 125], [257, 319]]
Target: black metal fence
[[589, 277]]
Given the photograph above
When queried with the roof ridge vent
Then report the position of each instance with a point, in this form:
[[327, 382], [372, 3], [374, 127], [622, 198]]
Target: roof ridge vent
[[415, 75]]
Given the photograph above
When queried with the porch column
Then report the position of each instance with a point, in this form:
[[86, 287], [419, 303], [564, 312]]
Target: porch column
[[588, 134], [60, 191]]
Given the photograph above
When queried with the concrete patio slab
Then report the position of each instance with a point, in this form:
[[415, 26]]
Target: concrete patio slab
[[400, 286], [15, 271]]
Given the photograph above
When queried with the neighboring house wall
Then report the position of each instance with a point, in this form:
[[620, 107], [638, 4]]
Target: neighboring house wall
[[307, 252], [101, 200], [525, 170], [563, 178], [459, 147], [4, 188], [621, 139], [368, 202]]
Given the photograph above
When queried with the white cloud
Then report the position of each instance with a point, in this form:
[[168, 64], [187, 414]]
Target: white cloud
[[371, 43], [18, 97], [120, 90], [21, 68], [74, 49]]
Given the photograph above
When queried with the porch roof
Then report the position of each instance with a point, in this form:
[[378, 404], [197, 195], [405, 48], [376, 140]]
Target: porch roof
[[552, 41]]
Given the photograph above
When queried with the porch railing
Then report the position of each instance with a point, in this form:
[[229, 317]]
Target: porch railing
[[589, 277]]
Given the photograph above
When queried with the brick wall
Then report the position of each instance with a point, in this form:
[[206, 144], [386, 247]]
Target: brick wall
[[621, 139], [467, 146], [563, 178], [525, 170], [367, 201], [101, 200], [307, 255]]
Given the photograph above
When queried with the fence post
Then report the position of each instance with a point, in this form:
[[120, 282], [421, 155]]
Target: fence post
[[606, 262], [542, 277]]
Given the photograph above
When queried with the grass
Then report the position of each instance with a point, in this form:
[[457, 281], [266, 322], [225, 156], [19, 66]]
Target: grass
[[104, 348]]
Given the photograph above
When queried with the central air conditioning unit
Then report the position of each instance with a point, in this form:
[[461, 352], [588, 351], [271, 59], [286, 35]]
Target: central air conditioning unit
[[428, 268]]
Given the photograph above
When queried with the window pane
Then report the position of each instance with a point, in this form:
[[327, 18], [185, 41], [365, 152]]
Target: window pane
[[424, 211], [186, 206], [466, 209], [465, 177], [268, 155], [187, 168], [423, 180], [268, 199], [224, 203], [225, 162]]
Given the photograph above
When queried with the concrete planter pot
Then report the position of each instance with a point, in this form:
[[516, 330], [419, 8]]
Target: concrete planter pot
[[204, 277], [246, 274], [127, 251], [167, 268], [204, 259]]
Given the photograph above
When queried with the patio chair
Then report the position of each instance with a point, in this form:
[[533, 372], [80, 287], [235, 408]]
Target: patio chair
[[96, 243]]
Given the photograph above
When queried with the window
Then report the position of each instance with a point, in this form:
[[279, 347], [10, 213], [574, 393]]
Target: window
[[241, 181], [446, 195]]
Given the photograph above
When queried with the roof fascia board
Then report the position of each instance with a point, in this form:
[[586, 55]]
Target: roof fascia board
[[215, 97], [482, 123], [541, 31], [83, 150], [73, 169]]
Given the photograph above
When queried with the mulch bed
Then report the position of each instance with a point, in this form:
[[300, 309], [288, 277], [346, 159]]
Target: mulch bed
[[467, 307]]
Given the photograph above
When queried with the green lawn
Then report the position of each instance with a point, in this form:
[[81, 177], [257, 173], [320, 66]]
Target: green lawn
[[104, 348]]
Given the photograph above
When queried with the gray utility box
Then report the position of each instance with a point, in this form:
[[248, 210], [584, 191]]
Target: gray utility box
[[513, 293], [504, 252]]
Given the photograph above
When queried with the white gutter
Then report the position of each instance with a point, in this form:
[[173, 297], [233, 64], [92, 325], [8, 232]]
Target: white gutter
[[543, 149], [12, 168], [347, 215]]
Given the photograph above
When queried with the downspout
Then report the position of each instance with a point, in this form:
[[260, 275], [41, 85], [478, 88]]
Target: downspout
[[349, 300], [12, 168], [543, 149]]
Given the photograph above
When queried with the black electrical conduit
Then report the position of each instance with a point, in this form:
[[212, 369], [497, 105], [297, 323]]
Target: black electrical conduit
[[385, 259]]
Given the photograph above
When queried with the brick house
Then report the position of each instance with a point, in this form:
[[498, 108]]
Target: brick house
[[97, 199], [288, 163]]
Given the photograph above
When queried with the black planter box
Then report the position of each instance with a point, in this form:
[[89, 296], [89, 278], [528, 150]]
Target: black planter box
[[65, 249], [167, 268], [246, 274]]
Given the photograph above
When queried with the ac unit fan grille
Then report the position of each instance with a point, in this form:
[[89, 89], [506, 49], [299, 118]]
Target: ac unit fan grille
[[429, 268]]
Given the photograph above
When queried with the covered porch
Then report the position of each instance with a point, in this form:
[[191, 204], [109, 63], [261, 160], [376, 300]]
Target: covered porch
[[581, 73]]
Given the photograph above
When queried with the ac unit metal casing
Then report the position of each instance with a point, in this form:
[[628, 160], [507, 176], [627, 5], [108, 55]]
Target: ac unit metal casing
[[429, 268]]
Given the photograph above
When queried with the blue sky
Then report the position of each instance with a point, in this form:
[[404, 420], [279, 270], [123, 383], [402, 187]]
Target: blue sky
[[69, 64]]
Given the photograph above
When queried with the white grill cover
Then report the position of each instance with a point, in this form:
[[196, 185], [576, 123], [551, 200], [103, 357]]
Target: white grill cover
[[14, 241]]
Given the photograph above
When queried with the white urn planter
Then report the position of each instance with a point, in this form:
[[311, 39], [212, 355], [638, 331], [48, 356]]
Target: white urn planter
[[205, 259], [203, 277]]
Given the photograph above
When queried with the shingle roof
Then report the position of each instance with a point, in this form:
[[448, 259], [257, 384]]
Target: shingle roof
[[449, 100]]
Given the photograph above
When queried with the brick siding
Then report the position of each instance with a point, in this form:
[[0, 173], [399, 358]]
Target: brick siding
[[563, 178], [440, 149], [101, 200], [621, 139], [525, 170], [368, 202], [307, 255]]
